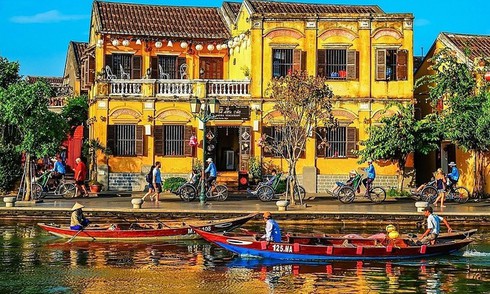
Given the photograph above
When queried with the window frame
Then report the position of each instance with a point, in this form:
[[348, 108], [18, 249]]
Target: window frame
[[391, 64], [113, 133], [350, 142]]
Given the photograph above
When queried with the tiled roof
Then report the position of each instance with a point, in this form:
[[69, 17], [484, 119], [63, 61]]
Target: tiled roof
[[50, 80], [476, 45], [307, 8], [78, 49], [160, 21], [232, 7]]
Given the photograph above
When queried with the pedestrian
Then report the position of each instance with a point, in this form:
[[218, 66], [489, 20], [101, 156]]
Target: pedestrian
[[441, 187], [371, 175], [453, 176], [58, 171], [157, 181], [272, 229], [78, 220], [80, 176], [149, 180], [433, 227]]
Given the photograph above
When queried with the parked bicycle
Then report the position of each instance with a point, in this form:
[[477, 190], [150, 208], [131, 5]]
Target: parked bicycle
[[45, 185], [347, 193], [190, 191], [458, 194]]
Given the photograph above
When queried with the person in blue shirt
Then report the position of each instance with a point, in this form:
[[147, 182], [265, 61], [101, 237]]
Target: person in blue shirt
[[272, 229], [371, 175], [157, 181], [211, 169], [433, 227], [58, 171], [453, 176]]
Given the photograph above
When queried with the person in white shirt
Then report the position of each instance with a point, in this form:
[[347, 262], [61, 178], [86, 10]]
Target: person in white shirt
[[433, 227]]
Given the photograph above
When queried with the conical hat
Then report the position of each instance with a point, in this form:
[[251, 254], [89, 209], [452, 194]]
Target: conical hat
[[77, 206]]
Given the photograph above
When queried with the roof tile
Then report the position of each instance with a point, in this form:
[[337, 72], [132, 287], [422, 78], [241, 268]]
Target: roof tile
[[477, 45], [288, 7]]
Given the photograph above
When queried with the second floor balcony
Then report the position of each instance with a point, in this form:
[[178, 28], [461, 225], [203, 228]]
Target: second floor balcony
[[172, 88]]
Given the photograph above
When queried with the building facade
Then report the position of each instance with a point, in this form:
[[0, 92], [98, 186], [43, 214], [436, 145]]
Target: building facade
[[144, 63]]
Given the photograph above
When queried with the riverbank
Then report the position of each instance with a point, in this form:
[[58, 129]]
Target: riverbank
[[319, 208]]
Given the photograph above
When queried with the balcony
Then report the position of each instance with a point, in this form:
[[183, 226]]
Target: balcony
[[172, 88]]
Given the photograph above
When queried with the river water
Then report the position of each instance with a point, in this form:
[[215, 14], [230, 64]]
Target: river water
[[31, 261]]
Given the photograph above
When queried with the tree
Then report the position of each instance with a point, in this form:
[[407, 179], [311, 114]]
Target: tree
[[465, 117], [304, 102], [75, 112], [9, 72], [25, 106], [398, 136]]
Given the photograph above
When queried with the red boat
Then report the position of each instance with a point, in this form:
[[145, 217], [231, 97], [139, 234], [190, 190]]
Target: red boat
[[326, 248], [146, 231]]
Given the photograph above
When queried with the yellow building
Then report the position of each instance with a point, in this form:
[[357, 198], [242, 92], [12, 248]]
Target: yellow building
[[145, 63], [72, 76], [478, 47]]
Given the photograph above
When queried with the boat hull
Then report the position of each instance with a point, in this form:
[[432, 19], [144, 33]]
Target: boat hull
[[183, 231], [248, 247]]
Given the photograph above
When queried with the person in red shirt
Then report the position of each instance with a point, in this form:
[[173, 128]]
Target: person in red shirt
[[80, 175]]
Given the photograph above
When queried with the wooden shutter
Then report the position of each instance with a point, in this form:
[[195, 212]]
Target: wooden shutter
[[140, 132], [299, 60], [320, 63], [321, 150], [136, 72], [188, 131], [108, 61], [180, 61], [85, 73], [91, 70], [380, 64], [154, 70], [351, 64], [351, 142], [110, 138], [401, 65], [267, 131], [158, 140]]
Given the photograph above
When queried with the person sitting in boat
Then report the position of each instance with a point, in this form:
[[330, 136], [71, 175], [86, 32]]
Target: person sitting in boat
[[433, 227], [272, 230], [78, 221]]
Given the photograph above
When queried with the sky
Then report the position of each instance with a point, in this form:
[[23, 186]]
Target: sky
[[36, 33]]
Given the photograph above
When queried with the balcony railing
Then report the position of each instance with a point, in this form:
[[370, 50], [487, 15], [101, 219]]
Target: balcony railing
[[173, 87]]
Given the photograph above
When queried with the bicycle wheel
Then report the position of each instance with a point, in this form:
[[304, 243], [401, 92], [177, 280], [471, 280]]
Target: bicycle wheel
[[429, 194], [37, 191], [221, 192], [461, 194], [377, 195], [346, 194], [265, 193], [66, 190], [188, 192], [299, 193]]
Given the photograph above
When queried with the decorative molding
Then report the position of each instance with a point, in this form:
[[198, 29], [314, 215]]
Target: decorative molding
[[408, 24], [284, 32], [272, 117], [173, 112], [311, 24], [379, 114], [364, 24], [387, 32], [125, 111], [344, 113], [346, 33]]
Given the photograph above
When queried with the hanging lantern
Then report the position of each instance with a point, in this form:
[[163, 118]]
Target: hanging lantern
[[158, 44], [236, 39], [224, 46], [100, 43], [183, 45], [237, 49], [230, 43], [487, 76], [170, 44], [231, 51], [125, 43], [249, 42], [242, 36], [235, 43], [210, 47], [193, 141], [219, 47], [138, 42], [115, 42], [199, 47]]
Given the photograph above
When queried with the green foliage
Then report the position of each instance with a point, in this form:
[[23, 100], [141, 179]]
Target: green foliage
[[75, 112], [10, 168], [197, 165], [394, 193], [254, 168], [172, 184], [9, 72], [399, 135]]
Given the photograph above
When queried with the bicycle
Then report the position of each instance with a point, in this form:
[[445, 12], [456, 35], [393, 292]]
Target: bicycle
[[44, 185], [458, 194], [189, 191], [346, 194]]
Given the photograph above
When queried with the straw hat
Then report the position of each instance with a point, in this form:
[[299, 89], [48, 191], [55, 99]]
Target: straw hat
[[209, 159], [267, 214], [77, 206], [452, 163]]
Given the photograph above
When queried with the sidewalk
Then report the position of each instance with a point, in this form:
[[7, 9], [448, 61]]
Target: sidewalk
[[237, 204]]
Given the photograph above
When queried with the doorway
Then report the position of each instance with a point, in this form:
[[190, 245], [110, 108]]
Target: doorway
[[227, 148]]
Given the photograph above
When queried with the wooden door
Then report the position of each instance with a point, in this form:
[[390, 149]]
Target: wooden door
[[211, 68]]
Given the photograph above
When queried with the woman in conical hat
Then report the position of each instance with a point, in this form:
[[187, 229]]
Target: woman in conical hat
[[78, 221]]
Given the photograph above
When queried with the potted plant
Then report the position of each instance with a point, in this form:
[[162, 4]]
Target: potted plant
[[254, 170], [246, 72]]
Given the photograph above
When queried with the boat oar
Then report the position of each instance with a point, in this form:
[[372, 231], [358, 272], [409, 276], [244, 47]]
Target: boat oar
[[79, 231]]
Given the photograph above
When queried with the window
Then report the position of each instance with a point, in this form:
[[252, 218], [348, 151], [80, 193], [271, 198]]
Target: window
[[285, 61], [274, 137], [125, 139], [166, 67], [337, 64], [336, 142], [173, 140], [391, 65], [124, 66]]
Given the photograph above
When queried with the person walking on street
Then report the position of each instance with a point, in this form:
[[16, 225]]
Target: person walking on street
[[433, 227], [157, 181], [149, 180], [272, 229], [371, 175], [80, 175], [441, 187], [78, 220]]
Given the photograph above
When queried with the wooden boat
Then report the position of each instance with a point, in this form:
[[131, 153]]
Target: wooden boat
[[146, 231], [330, 249]]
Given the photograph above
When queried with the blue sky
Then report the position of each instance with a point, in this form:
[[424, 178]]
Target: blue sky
[[36, 32]]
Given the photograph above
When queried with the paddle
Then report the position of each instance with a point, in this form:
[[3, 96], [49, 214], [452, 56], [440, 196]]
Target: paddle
[[79, 231], [163, 224]]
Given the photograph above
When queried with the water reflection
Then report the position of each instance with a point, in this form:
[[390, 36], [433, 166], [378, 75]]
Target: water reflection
[[33, 262]]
